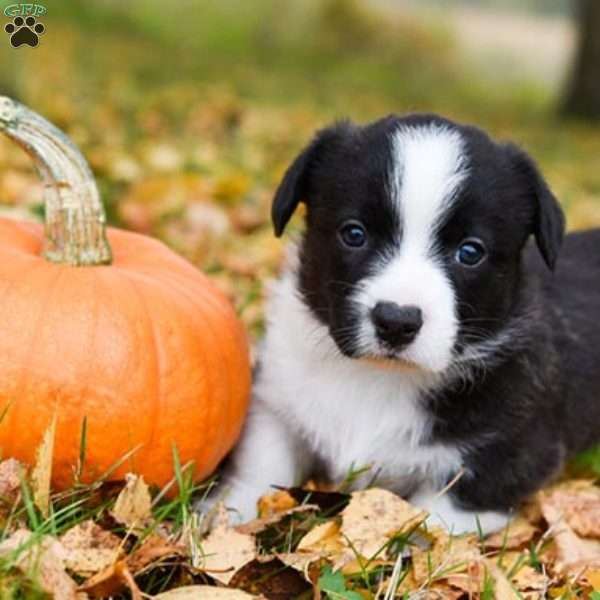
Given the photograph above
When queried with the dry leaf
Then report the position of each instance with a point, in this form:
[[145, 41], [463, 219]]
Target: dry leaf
[[154, 548], [275, 503], [527, 579], [204, 592], [324, 538], [515, 535], [579, 503], [572, 552], [271, 578], [301, 561], [133, 507], [42, 471], [11, 473], [44, 557], [89, 548], [111, 582], [503, 590], [592, 576], [257, 525], [225, 550], [448, 556], [373, 517]]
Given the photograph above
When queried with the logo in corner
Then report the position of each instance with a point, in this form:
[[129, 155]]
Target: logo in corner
[[25, 27]]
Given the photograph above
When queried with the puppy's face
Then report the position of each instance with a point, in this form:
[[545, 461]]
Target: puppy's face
[[415, 228]]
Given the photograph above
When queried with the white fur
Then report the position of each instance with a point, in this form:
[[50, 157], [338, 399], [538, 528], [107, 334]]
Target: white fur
[[310, 400], [429, 165], [444, 513]]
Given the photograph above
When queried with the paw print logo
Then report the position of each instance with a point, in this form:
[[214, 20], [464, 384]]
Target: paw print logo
[[24, 31]]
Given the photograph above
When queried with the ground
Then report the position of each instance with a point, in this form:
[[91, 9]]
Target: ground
[[189, 117]]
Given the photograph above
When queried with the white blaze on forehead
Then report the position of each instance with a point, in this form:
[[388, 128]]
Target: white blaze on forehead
[[429, 164]]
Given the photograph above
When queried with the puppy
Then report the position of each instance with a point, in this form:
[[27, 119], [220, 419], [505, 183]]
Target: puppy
[[418, 331]]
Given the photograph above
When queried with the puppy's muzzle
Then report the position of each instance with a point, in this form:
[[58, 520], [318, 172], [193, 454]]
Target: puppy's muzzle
[[396, 326]]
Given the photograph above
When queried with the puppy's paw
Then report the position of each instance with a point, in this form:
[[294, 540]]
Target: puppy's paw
[[240, 499], [445, 513]]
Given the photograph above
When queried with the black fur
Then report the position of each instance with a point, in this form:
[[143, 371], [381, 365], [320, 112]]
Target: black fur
[[535, 402]]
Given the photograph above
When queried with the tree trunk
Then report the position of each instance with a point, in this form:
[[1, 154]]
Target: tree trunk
[[583, 93]]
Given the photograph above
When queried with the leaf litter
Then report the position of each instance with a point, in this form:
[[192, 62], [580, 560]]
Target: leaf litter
[[305, 543]]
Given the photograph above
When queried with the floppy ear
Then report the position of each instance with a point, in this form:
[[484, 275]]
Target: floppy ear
[[293, 188], [549, 219]]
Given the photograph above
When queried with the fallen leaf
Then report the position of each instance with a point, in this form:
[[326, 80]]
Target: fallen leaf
[[258, 525], [301, 561], [225, 549], [503, 590], [89, 548], [373, 517], [154, 548], [270, 578], [203, 592], [516, 534], [11, 473], [572, 552], [324, 538], [111, 582], [328, 502], [133, 507], [447, 557], [579, 503], [278, 502], [42, 471], [42, 555]]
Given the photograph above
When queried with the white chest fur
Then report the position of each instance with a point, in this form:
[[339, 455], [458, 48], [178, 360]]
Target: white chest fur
[[349, 414]]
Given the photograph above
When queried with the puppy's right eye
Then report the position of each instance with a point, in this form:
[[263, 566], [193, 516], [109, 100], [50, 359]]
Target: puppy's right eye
[[353, 234]]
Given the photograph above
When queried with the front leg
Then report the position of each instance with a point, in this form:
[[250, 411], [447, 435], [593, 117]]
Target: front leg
[[445, 511], [267, 454], [496, 479]]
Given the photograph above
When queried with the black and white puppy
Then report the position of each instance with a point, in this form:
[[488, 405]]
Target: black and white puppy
[[417, 331]]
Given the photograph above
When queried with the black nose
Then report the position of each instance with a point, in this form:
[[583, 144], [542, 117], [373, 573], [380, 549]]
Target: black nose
[[396, 325]]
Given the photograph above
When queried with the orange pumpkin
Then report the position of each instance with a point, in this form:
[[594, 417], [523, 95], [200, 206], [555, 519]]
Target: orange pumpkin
[[145, 348]]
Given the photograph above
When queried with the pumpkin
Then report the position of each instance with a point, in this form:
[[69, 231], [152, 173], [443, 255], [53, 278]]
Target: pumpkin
[[111, 327]]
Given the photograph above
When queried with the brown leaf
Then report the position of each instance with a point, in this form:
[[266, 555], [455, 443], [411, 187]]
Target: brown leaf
[[89, 548], [301, 561], [258, 525], [516, 534], [373, 517], [579, 503], [271, 578], [324, 538], [225, 549], [277, 502], [154, 548], [11, 473], [328, 502], [503, 590], [111, 582], [572, 551], [42, 471], [447, 556], [44, 557], [204, 592], [133, 507]]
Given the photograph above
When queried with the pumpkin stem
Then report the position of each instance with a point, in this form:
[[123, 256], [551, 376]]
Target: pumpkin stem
[[75, 217]]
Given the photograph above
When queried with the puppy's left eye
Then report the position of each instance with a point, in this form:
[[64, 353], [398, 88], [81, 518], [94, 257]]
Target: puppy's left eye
[[471, 252], [353, 234]]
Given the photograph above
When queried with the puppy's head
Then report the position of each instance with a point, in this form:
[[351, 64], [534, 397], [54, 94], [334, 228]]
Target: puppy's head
[[415, 228]]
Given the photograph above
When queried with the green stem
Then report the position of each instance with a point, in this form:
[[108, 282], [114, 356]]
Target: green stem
[[75, 217]]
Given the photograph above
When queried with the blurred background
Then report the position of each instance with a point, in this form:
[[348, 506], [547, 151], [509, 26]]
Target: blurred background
[[190, 111]]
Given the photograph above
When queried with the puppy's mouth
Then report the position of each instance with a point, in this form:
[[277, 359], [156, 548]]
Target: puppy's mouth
[[390, 361]]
